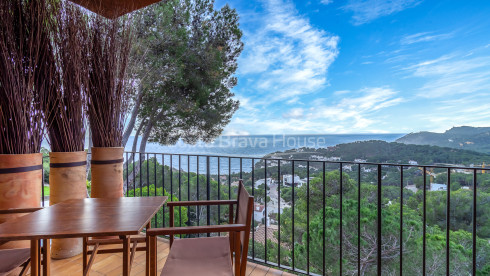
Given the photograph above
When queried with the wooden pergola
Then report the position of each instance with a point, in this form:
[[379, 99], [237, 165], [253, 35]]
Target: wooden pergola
[[113, 8]]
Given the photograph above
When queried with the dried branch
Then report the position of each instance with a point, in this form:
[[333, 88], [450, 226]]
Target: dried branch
[[26, 73], [109, 88], [66, 122]]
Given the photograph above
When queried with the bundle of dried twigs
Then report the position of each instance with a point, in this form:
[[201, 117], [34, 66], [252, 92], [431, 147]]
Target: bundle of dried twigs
[[66, 104], [109, 86], [26, 73]]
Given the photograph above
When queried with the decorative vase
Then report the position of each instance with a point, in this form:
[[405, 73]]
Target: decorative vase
[[67, 180], [20, 186], [107, 172]]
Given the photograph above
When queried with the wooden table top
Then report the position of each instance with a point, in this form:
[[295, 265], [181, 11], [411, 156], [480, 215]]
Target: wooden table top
[[84, 218]]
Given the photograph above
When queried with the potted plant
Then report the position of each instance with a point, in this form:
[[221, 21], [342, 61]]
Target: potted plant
[[26, 69], [108, 95], [65, 107]]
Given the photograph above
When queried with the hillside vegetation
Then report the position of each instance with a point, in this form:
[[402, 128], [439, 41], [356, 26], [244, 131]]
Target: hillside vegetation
[[465, 137], [380, 152]]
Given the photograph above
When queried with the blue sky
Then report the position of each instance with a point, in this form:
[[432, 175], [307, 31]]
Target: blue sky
[[361, 66]]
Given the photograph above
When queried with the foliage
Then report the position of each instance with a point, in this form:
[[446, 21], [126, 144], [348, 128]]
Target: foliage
[[184, 59]]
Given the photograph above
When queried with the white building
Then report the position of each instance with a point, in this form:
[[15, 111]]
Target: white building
[[287, 180], [360, 160], [413, 162], [438, 187], [259, 212]]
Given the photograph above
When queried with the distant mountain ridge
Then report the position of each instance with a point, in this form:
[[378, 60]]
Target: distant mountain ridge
[[464, 137], [380, 152]]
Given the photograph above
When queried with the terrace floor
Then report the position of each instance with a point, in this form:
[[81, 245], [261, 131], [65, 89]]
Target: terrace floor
[[110, 264]]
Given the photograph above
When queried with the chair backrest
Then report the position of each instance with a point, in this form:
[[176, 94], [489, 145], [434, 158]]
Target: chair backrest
[[244, 216]]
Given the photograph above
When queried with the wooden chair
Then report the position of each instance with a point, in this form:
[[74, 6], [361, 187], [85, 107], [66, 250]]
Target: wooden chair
[[211, 256], [11, 259], [91, 247]]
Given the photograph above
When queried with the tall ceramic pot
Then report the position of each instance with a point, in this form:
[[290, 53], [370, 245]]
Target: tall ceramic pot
[[67, 180], [107, 172], [20, 186]]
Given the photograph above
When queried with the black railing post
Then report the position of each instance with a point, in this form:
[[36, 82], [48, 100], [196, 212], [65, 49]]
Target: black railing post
[[448, 219], [401, 220], [308, 217], [265, 204], [253, 214], [359, 219], [208, 192], [42, 182], [324, 190], [163, 188], [141, 175], [188, 188], [341, 224], [292, 213], [147, 175], [198, 209], [219, 193], [279, 213], [424, 221], [379, 221], [127, 174], [171, 177], [180, 189], [474, 224]]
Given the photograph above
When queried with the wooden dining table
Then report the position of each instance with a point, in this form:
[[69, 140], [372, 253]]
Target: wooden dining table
[[90, 217]]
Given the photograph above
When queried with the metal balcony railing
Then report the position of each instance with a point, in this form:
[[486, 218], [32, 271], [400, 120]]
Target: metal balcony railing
[[303, 200]]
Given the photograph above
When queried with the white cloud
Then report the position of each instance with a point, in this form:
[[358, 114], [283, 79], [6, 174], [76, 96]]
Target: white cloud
[[361, 111], [368, 10], [295, 113], [286, 55], [452, 75], [423, 37], [326, 2]]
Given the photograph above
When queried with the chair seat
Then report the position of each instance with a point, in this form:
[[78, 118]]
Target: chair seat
[[12, 258], [199, 256]]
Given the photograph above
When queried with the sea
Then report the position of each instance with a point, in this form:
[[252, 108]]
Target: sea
[[260, 145], [225, 150]]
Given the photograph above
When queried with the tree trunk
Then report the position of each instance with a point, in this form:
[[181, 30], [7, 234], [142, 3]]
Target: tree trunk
[[132, 120], [131, 176]]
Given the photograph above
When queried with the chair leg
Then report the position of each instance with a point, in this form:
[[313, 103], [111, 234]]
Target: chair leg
[[23, 272], [84, 254], [237, 253], [91, 261], [133, 252]]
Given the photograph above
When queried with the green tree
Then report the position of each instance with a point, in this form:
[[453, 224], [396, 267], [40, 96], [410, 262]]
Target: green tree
[[185, 58]]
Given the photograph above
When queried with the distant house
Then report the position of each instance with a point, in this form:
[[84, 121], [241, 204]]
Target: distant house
[[438, 187], [319, 158], [412, 188], [333, 159], [347, 168], [259, 212], [360, 160], [413, 162], [287, 180]]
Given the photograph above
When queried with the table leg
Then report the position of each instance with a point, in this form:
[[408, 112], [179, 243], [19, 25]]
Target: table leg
[[46, 257], [126, 249], [147, 263], [35, 258]]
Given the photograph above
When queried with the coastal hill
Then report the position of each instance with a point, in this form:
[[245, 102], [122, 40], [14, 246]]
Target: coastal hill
[[381, 151], [465, 137]]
